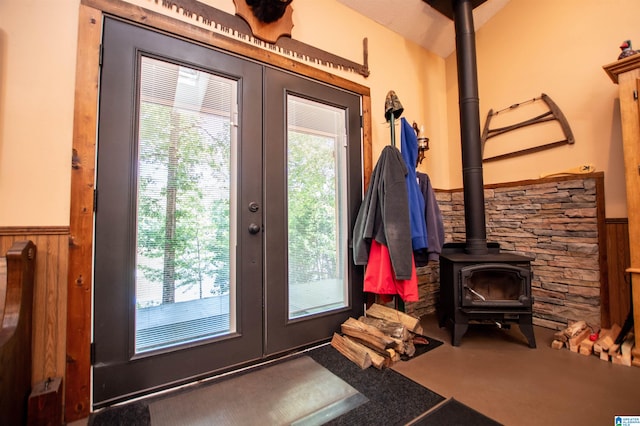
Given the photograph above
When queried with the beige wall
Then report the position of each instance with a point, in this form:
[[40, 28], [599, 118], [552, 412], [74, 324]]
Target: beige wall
[[37, 67], [37, 71], [416, 75], [529, 47], [558, 48]]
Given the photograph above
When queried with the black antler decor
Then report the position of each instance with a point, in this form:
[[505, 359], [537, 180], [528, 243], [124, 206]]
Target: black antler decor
[[268, 10]]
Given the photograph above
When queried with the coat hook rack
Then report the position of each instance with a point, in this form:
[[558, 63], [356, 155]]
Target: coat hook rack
[[423, 142]]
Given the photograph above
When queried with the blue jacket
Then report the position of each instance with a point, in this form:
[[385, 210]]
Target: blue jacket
[[409, 148]]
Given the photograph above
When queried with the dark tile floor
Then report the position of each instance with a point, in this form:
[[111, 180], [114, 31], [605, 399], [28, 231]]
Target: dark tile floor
[[495, 372]]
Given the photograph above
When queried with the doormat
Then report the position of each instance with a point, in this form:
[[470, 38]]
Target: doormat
[[393, 398], [389, 397], [295, 392], [455, 413]]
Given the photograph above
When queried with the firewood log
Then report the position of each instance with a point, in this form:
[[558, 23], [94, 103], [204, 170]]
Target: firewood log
[[369, 334], [380, 311], [352, 351], [575, 328], [377, 360], [559, 336], [393, 355], [597, 346], [405, 340], [605, 341], [390, 328], [574, 342], [624, 356], [613, 350], [586, 347]]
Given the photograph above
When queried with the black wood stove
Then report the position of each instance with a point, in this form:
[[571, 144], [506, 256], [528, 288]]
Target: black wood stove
[[478, 282], [494, 288]]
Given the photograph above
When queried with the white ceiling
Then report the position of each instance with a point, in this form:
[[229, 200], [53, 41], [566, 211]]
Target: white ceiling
[[419, 22]]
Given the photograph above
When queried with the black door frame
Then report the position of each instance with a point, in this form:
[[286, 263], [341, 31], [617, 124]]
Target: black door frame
[[252, 262]]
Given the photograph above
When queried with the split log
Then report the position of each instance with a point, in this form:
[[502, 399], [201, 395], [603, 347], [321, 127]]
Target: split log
[[406, 347], [403, 338], [574, 342], [557, 344], [574, 329], [393, 355], [370, 335], [559, 336], [569, 332], [390, 328], [380, 311], [352, 351], [607, 339], [624, 357], [586, 347], [377, 360], [597, 346]]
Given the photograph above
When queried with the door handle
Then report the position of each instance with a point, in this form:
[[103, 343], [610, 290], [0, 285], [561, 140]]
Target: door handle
[[254, 228]]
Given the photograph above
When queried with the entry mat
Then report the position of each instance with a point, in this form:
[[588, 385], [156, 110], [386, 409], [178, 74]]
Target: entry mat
[[358, 397], [296, 392]]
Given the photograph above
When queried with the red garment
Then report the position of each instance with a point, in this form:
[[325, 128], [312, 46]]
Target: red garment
[[380, 279]]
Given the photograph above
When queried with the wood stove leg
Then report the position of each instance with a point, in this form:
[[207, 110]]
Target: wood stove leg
[[457, 332], [442, 316], [526, 327]]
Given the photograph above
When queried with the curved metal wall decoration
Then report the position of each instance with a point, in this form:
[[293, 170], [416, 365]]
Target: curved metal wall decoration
[[554, 113]]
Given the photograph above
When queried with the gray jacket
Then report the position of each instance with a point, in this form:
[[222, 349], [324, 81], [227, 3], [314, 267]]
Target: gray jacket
[[384, 215]]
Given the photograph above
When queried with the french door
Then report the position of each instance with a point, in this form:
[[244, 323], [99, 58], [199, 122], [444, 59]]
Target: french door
[[225, 195]]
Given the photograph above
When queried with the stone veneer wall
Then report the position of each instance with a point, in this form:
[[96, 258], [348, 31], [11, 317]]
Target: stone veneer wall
[[553, 220]]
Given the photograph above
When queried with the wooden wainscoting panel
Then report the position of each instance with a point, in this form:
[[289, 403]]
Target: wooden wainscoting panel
[[618, 259], [50, 296]]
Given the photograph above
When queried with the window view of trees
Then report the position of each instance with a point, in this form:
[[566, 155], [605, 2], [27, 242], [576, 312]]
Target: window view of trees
[[315, 197], [185, 192], [183, 203], [312, 209]]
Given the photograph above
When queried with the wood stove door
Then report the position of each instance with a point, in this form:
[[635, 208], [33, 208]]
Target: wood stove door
[[495, 285]]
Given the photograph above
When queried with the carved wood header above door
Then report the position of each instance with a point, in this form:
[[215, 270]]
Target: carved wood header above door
[[260, 34]]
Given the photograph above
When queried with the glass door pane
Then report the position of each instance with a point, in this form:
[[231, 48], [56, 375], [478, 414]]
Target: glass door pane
[[313, 189], [316, 196], [177, 274], [185, 206]]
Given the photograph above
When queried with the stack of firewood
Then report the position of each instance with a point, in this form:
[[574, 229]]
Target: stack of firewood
[[579, 337], [380, 338]]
